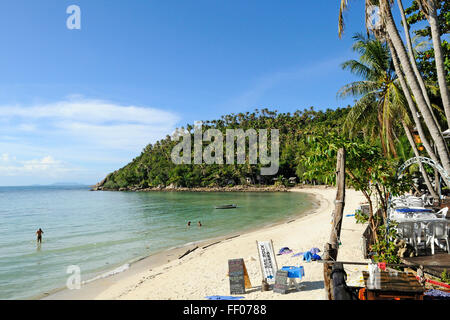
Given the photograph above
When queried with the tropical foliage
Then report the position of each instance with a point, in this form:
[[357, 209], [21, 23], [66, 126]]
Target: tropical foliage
[[154, 166]]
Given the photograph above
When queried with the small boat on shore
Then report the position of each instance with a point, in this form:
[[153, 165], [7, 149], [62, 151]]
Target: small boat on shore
[[227, 206]]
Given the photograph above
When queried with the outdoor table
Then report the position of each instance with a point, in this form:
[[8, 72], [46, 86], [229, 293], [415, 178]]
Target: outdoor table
[[388, 285], [421, 220], [294, 273]]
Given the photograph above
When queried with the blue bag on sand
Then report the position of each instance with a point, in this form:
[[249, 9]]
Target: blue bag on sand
[[315, 257], [223, 298], [284, 250], [307, 256]]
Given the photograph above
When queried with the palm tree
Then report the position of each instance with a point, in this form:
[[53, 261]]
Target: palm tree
[[428, 7], [382, 101], [376, 91], [389, 31], [412, 55]]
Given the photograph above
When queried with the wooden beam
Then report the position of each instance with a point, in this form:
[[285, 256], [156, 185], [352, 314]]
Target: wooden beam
[[332, 247]]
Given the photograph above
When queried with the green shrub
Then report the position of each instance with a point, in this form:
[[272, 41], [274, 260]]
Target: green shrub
[[385, 249], [110, 184], [445, 276], [361, 217]]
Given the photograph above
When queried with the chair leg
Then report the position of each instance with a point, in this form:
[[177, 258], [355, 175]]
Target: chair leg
[[448, 248], [432, 245], [415, 247]]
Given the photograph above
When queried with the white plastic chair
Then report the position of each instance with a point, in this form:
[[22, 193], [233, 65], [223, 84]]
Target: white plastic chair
[[442, 213], [411, 232], [427, 200], [438, 230]]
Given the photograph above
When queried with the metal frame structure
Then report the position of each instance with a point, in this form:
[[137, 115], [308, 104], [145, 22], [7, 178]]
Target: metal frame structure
[[428, 161]]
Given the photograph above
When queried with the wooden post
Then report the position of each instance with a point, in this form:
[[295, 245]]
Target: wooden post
[[331, 248]]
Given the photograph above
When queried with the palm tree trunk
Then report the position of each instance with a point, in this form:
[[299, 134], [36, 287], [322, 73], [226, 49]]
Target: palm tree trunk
[[391, 140], [414, 85], [412, 58], [383, 143], [411, 105], [416, 153], [439, 58], [410, 101]]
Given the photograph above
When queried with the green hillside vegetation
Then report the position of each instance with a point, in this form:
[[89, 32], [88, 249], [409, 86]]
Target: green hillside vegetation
[[154, 166]]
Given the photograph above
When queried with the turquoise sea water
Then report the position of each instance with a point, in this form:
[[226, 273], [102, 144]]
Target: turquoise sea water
[[101, 231]]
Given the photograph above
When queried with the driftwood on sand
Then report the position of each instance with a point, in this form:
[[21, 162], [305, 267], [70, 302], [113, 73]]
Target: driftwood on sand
[[187, 252]]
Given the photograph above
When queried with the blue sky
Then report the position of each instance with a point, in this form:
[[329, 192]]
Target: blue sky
[[78, 104]]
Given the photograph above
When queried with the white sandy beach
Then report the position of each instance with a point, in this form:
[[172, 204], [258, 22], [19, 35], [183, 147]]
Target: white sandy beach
[[204, 272]]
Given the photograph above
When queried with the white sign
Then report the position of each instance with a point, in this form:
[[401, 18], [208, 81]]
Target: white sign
[[267, 260]]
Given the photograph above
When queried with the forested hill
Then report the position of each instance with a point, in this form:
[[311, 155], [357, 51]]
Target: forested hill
[[154, 168]]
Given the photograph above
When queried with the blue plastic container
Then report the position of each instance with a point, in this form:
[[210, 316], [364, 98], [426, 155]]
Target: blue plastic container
[[294, 272]]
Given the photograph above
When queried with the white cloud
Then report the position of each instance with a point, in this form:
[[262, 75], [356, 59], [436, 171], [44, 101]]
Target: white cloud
[[4, 157], [69, 137], [91, 122], [90, 111], [47, 166]]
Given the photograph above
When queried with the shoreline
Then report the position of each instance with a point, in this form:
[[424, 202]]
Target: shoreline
[[203, 271], [92, 286], [170, 188]]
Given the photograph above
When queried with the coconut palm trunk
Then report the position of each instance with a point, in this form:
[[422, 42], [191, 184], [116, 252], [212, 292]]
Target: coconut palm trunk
[[416, 153], [391, 139], [397, 42], [413, 58], [439, 57], [412, 106]]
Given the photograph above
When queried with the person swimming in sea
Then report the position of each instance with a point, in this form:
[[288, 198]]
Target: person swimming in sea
[[199, 224], [189, 224], [39, 235]]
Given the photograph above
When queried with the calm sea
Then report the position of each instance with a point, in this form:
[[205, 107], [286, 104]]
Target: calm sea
[[102, 231]]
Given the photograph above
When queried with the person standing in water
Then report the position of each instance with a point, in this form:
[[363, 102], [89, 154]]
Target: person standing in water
[[189, 224], [39, 235], [199, 224]]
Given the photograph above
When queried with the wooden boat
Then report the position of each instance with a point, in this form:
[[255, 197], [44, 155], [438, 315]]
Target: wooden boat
[[227, 206]]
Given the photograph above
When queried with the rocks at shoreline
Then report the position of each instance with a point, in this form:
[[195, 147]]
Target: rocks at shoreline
[[172, 188]]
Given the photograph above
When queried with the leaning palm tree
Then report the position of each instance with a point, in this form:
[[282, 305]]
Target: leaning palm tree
[[381, 100], [388, 30], [412, 56], [429, 9], [411, 78]]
